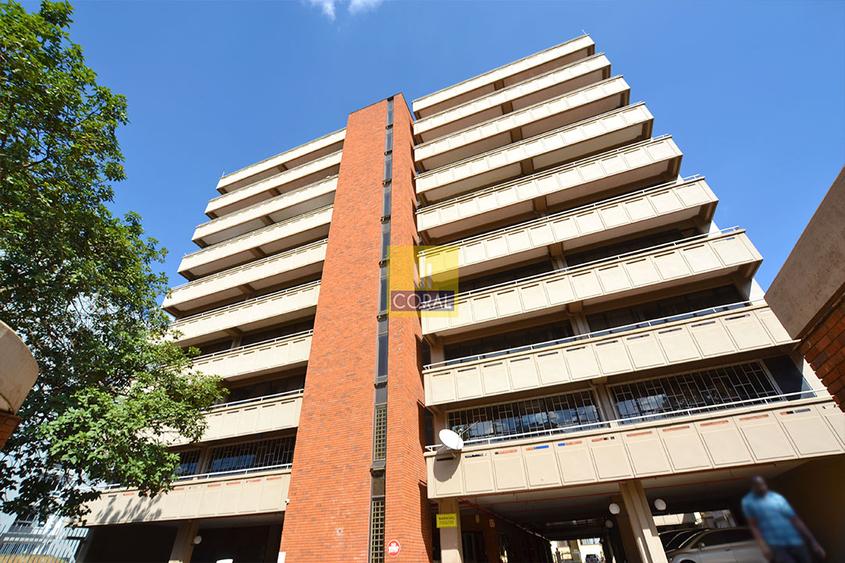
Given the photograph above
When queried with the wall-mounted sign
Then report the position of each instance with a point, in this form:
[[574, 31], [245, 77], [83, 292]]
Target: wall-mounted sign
[[448, 520]]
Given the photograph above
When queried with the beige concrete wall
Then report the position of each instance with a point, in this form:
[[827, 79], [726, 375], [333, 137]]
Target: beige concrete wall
[[814, 272]]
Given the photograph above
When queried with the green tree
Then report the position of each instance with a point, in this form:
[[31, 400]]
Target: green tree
[[79, 285]]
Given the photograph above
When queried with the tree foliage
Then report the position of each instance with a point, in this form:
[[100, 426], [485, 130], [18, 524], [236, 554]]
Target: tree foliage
[[78, 284]]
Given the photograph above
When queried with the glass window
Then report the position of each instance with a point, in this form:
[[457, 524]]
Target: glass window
[[251, 455], [685, 303], [649, 400], [508, 419]]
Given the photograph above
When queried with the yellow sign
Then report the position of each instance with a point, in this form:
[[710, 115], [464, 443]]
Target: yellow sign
[[449, 520]]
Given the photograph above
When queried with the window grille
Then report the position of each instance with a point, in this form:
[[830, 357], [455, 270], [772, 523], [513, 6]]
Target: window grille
[[188, 463], [380, 433], [377, 530], [251, 455], [508, 419], [709, 388]]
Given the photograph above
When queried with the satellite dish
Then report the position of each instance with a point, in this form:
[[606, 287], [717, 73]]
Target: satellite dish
[[452, 443]]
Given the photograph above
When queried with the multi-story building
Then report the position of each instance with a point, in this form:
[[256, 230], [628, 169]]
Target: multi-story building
[[608, 347]]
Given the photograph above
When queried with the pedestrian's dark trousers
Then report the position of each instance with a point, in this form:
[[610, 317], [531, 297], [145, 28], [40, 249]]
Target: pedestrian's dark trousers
[[790, 554]]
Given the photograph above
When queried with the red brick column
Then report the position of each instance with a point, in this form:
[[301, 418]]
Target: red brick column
[[327, 518], [407, 508], [8, 423], [824, 349]]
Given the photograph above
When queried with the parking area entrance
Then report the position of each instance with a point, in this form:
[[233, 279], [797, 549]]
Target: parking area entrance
[[689, 518]]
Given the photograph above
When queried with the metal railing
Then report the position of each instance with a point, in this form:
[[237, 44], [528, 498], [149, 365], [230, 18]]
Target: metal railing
[[257, 232], [262, 161], [243, 304], [587, 265], [533, 139], [54, 541], [452, 246], [510, 64], [512, 86], [526, 109], [249, 208], [275, 176], [257, 400], [238, 349], [212, 475], [256, 263], [595, 334], [538, 175], [625, 422]]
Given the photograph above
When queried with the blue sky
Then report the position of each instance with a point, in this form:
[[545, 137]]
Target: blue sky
[[754, 93]]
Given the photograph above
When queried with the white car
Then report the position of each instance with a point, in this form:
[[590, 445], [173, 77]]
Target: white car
[[726, 545]]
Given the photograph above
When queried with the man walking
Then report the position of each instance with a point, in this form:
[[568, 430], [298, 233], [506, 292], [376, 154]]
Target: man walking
[[781, 534]]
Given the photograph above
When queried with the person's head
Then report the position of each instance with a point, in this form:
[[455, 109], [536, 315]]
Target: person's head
[[759, 486]]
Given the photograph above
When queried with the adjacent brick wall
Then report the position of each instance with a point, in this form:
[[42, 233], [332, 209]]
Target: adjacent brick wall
[[824, 349], [8, 423], [407, 507], [327, 518]]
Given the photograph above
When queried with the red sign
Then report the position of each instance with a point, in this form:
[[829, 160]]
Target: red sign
[[393, 547]]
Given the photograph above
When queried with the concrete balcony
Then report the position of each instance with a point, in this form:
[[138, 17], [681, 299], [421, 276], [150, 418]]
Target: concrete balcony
[[292, 158], [274, 210], [263, 242], [744, 435], [640, 211], [639, 165], [272, 186], [243, 280], [235, 493], [251, 416], [680, 341], [503, 76], [531, 121], [264, 357], [549, 85], [661, 267], [578, 140], [250, 315]]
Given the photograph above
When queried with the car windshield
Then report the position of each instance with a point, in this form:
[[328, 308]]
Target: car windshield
[[681, 539]]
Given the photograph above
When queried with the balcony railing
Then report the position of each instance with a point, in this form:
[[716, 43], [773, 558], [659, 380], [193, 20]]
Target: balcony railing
[[273, 308], [530, 121], [671, 264], [260, 490], [287, 181], [782, 428], [638, 211], [651, 160], [274, 210], [266, 272], [267, 240], [271, 355], [553, 83], [578, 140], [248, 417], [508, 74], [678, 340], [285, 160]]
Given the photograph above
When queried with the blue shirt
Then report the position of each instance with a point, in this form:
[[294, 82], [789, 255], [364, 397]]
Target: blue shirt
[[773, 515]]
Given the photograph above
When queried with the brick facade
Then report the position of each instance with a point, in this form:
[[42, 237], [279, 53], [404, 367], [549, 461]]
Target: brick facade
[[824, 349], [327, 518], [407, 508], [8, 423]]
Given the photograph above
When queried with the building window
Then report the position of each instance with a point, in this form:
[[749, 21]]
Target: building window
[[252, 455], [547, 413], [188, 463], [707, 390], [686, 303], [506, 340]]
